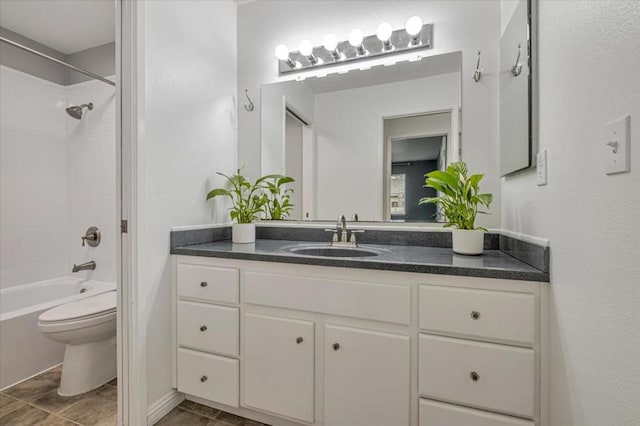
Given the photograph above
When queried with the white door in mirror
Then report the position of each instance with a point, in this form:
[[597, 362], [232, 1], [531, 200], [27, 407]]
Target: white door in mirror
[[617, 145]]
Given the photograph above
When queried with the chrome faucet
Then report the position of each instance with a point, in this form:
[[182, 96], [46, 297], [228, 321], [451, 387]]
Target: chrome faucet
[[88, 266], [343, 236]]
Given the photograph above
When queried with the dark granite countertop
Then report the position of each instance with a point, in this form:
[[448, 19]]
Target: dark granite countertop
[[419, 259]]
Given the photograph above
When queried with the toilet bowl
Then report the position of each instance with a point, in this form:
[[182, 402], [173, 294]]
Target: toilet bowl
[[88, 328]]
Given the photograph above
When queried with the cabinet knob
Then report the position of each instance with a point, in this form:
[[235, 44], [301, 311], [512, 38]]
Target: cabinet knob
[[474, 376], [299, 340], [203, 328], [336, 346], [203, 379], [203, 284], [475, 315]]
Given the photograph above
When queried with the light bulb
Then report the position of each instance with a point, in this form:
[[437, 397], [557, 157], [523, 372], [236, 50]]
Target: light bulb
[[414, 25], [384, 32], [282, 52], [330, 42], [356, 37], [305, 47]]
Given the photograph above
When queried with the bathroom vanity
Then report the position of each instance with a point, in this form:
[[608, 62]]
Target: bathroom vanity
[[289, 339]]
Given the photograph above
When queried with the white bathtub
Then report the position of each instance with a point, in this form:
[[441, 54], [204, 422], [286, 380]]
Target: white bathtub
[[24, 351]]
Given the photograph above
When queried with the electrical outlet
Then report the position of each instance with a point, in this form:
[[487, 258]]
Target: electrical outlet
[[541, 167]]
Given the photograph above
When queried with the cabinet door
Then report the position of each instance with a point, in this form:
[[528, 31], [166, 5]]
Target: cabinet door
[[366, 378], [278, 366]]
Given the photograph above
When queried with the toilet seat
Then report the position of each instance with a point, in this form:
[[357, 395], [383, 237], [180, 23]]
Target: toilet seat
[[82, 313]]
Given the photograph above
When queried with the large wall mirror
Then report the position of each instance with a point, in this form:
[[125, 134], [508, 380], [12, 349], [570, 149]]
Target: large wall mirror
[[360, 138]]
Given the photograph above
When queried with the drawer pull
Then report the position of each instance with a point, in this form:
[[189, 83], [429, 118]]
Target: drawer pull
[[475, 315], [474, 376], [203, 379], [203, 284], [203, 328], [336, 346], [299, 340]]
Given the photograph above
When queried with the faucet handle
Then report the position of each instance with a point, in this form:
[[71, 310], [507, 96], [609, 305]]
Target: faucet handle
[[354, 218]]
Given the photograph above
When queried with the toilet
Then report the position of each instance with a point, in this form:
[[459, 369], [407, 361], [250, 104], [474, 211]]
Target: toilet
[[88, 328]]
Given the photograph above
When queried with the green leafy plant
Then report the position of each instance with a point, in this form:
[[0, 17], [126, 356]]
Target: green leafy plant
[[248, 199], [460, 197], [279, 204]]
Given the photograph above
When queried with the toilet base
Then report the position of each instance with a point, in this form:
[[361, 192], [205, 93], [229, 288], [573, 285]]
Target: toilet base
[[88, 366]]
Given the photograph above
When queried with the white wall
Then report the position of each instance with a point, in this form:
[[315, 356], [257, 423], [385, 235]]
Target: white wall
[[348, 127], [58, 178], [589, 76], [458, 26], [33, 181], [91, 178], [188, 132]]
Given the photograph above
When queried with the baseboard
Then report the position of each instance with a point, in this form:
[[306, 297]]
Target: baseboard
[[163, 406]]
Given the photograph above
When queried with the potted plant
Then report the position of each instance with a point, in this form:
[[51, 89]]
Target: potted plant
[[278, 206], [459, 199], [248, 200]]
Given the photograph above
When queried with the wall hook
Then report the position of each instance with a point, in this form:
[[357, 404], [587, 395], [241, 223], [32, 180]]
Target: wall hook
[[250, 106], [478, 73], [517, 68]]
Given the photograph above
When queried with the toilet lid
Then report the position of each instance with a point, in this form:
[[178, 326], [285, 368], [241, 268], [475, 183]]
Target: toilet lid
[[92, 306]]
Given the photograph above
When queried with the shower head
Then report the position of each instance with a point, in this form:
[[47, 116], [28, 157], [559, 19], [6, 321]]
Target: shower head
[[76, 111]]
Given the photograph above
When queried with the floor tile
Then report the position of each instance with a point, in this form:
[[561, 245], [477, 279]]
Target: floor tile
[[94, 407], [34, 387], [54, 420], [109, 421], [25, 416], [8, 404], [178, 417], [234, 420], [199, 409], [55, 403]]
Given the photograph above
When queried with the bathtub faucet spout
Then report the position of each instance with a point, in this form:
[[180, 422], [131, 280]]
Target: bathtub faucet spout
[[91, 265]]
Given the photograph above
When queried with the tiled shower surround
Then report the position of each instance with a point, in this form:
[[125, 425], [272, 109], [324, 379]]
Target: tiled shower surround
[[58, 176]]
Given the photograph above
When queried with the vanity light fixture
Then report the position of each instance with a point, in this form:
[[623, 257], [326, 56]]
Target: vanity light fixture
[[386, 41], [356, 39], [413, 28], [331, 45], [282, 53], [383, 33], [306, 49]]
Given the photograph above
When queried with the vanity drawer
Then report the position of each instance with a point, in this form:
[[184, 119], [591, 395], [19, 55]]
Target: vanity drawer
[[379, 302], [488, 314], [207, 376], [434, 413], [209, 327], [483, 375], [208, 283]]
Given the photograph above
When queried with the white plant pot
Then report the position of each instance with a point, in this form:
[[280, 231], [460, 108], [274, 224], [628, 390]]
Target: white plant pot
[[243, 233], [468, 241]]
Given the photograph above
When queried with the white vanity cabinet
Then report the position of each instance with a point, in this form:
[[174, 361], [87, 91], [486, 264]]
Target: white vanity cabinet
[[289, 344], [279, 366], [366, 377]]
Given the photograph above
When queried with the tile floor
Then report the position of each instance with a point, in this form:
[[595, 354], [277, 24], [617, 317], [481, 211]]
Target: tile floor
[[193, 414], [36, 402]]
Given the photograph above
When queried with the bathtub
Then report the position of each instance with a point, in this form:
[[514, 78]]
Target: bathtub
[[24, 351]]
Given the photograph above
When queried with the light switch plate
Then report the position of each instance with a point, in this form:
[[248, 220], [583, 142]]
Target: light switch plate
[[541, 167], [617, 146]]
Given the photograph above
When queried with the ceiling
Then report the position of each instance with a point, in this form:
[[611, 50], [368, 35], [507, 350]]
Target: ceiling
[[67, 26], [415, 149]]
